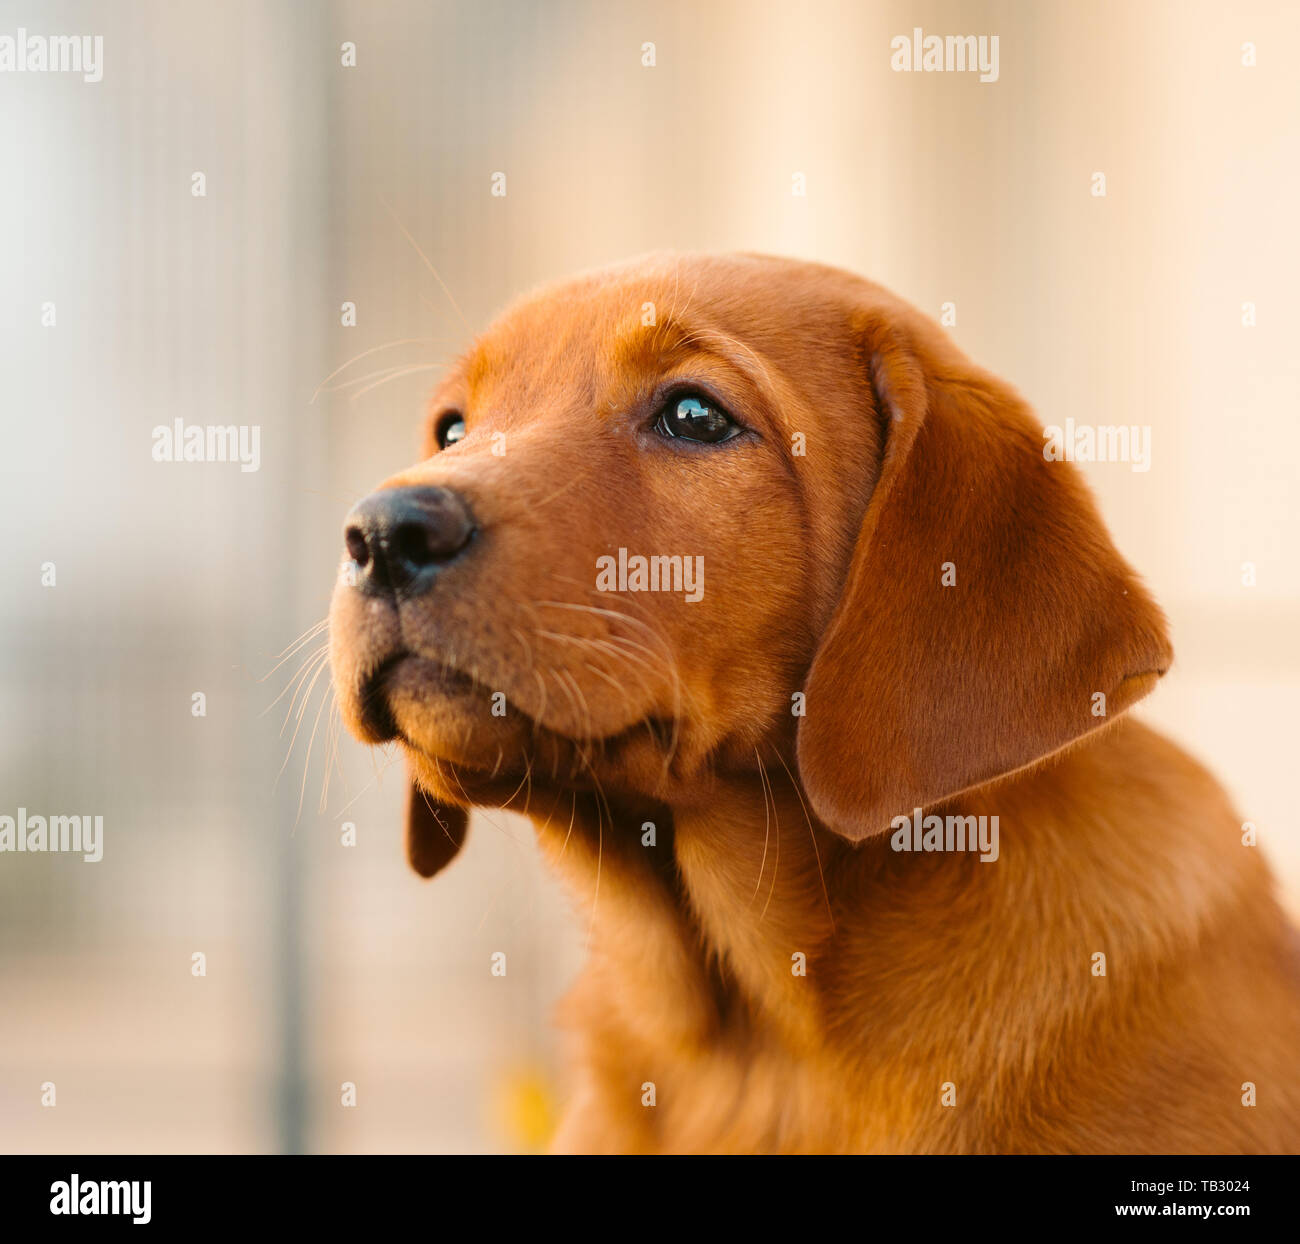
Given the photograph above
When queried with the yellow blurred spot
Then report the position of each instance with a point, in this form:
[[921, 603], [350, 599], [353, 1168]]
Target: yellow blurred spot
[[524, 1108]]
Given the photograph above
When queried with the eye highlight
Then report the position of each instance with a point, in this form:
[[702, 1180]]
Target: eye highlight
[[695, 417], [450, 429]]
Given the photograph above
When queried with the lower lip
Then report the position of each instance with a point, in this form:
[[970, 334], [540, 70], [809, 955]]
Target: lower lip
[[377, 715]]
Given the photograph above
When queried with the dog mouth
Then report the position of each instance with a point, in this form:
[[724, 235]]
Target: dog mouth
[[375, 710], [440, 713]]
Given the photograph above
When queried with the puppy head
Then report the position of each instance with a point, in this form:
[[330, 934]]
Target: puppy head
[[672, 512]]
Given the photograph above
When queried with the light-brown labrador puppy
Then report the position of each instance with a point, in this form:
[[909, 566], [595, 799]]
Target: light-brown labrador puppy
[[734, 573]]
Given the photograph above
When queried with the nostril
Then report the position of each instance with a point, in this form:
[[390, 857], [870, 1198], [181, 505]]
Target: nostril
[[412, 544], [399, 538], [358, 550]]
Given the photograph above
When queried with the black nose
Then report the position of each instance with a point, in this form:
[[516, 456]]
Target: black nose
[[399, 538]]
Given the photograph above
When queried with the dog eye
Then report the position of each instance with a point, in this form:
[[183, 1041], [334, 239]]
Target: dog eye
[[692, 417], [451, 427]]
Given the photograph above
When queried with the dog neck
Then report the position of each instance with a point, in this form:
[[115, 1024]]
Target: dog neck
[[712, 912], [743, 911]]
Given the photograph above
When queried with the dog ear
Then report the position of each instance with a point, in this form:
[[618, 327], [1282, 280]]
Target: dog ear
[[986, 620], [435, 831]]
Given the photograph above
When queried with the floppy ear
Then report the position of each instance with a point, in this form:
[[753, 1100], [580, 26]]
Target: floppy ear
[[986, 619], [435, 831]]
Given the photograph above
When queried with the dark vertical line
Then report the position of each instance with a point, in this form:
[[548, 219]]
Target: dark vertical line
[[307, 30], [291, 1110]]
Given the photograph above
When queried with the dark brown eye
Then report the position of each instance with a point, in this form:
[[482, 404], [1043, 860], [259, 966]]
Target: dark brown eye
[[450, 429], [693, 417]]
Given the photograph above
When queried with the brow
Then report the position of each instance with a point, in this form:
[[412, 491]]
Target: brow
[[638, 349], [479, 365]]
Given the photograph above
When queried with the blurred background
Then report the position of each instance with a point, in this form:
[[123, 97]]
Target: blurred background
[[328, 963]]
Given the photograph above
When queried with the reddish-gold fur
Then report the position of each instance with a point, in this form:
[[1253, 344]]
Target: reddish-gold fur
[[949, 1005]]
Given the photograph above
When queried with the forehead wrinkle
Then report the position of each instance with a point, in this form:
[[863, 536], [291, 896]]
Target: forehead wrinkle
[[735, 352], [484, 360], [638, 348]]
